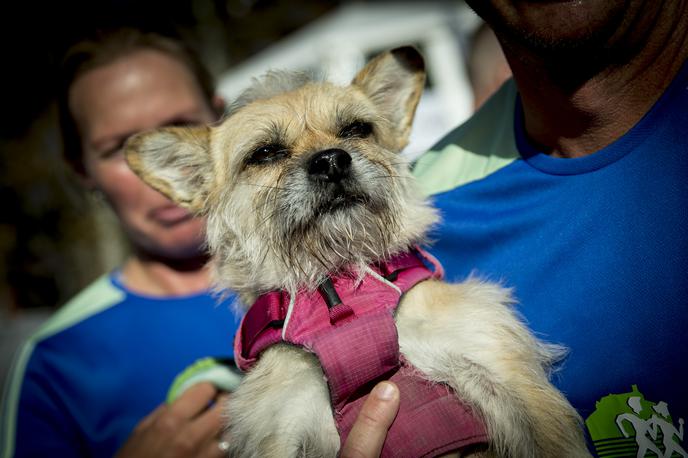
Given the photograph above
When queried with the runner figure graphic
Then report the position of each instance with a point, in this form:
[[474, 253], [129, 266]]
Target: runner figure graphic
[[668, 430], [642, 429]]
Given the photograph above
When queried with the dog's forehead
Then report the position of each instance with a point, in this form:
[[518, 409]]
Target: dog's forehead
[[283, 118], [314, 102]]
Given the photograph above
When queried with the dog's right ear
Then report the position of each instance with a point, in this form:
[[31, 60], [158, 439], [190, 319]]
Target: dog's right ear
[[394, 81], [175, 161]]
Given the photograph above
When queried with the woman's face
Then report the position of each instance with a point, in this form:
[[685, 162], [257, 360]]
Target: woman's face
[[136, 92]]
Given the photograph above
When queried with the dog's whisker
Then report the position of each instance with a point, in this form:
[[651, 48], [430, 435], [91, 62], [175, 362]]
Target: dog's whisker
[[262, 222], [390, 177], [277, 188]]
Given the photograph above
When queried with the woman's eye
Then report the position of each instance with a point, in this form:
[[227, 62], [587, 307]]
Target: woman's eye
[[357, 129], [267, 153], [112, 152]]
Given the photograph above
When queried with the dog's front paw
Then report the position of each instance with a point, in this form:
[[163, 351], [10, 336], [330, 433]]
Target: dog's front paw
[[282, 409]]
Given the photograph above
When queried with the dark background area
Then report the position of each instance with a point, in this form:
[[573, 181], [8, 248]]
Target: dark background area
[[35, 34], [50, 232]]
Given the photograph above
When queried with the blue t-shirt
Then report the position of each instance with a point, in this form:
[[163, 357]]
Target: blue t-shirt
[[595, 249], [102, 363]]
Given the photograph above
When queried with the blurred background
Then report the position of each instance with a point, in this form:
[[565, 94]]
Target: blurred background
[[55, 239]]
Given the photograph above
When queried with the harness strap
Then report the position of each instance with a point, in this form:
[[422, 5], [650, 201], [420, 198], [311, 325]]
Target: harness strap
[[263, 324], [360, 352], [431, 421]]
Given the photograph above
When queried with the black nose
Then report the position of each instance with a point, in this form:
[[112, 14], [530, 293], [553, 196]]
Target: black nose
[[330, 166]]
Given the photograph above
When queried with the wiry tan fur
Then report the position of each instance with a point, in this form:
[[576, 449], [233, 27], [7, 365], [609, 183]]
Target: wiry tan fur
[[271, 226]]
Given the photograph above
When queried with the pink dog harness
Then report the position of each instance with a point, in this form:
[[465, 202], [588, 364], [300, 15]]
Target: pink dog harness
[[349, 325]]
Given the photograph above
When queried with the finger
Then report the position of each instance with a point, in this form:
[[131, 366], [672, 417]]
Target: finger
[[222, 401], [194, 400], [370, 429], [151, 417], [207, 425]]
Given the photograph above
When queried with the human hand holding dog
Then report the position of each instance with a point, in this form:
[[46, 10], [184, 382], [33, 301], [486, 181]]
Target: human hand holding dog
[[186, 427], [370, 429]]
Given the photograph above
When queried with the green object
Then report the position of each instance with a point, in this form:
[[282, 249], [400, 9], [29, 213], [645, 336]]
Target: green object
[[629, 425], [220, 372]]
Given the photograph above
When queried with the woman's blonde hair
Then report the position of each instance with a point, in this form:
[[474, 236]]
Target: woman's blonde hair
[[102, 48]]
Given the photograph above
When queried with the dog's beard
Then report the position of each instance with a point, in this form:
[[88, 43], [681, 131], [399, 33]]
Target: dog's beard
[[291, 232], [332, 198], [327, 227]]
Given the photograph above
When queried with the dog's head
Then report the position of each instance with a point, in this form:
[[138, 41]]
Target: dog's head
[[302, 178]]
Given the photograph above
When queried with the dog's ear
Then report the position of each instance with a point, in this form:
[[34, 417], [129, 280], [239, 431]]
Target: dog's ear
[[394, 81], [175, 161]]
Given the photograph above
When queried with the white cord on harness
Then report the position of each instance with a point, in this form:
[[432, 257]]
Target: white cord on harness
[[379, 277], [292, 300]]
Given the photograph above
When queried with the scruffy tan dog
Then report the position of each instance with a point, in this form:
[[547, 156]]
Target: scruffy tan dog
[[303, 180]]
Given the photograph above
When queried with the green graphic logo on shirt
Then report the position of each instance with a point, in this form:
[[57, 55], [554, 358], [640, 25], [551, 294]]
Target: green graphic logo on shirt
[[628, 425]]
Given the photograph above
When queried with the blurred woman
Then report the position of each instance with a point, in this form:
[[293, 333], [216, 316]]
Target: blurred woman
[[102, 366]]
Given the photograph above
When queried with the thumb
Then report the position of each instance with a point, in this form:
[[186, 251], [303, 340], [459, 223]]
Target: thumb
[[370, 429]]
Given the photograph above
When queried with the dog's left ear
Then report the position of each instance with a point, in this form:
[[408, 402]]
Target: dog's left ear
[[175, 161], [394, 81]]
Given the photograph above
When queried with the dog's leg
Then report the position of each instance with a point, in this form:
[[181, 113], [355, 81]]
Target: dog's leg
[[282, 409], [467, 335]]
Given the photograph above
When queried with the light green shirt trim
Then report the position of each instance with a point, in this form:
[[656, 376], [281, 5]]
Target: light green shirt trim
[[482, 145], [98, 296]]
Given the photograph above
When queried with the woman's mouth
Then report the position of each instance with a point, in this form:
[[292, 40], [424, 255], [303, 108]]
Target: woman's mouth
[[170, 215]]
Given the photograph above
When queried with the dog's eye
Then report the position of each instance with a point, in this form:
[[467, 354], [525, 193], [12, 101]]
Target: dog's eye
[[357, 129], [267, 153]]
